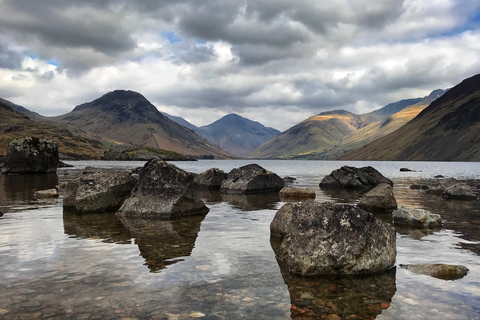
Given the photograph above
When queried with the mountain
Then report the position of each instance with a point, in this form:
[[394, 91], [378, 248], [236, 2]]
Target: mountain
[[238, 135], [72, 144], [447, 130], [187, 124], [127, 117], [25, 111]]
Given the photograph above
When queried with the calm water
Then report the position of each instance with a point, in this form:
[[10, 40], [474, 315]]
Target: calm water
[[59, 265]]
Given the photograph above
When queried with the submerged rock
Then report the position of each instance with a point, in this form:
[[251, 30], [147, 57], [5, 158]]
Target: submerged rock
[[251, 178], [354, 178], [440, 271], [326, 238], [45, 194], [418, 218], [459, 191], [211, 179], [31, 155], [406, 170], [379, 199], [296, 193], [164, 191], [99, 191]]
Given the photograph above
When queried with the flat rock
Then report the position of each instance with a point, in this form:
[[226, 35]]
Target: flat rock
[[354, 178], [440, 271], [45, 194], [379, 199], [252, 178], [417, 218], [326, 238], [459, 191], [296, 193], [211, 179]]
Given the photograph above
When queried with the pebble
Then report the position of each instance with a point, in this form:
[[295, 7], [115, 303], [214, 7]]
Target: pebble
[[4, 311], [196, 314]]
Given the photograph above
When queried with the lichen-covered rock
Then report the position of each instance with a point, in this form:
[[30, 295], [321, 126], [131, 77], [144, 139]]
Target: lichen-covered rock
[[441, 271], [31, 155], [459, 191], [326, 238], [251, 178], [211, 179], [379, 199], [99, 191], [354, 178], [417, 218], [296, 193], [45, 194], [164, 191]]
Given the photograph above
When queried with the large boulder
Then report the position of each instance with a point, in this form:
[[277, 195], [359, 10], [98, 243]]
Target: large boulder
[[211, 179], [417, 218], [441, 271], [326, 238], [296, 193], [164, 191], [460, 191], [354, 178], [99, 191], [251, 178], [379, 199], [31, 155]]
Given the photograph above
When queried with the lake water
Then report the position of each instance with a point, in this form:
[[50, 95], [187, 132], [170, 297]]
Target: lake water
[[59, 265]]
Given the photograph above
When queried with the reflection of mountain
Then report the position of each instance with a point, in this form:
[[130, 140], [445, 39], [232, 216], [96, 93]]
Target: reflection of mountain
[[252, 202], [358, 297], [105, 226], [21, 188], [163, 243]]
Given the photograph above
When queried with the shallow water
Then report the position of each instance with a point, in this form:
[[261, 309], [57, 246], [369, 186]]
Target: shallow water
[[59, 265]]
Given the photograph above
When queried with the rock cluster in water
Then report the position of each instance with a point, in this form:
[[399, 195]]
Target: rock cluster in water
[[251, 178], [31, 155], [211, 179], [417, 218], [441, 271], [354, 178]]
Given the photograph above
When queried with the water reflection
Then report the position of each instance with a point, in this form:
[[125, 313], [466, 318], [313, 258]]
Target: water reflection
[[162, 243], [252, 202], [349, 297], [342, 195], [17, 189]]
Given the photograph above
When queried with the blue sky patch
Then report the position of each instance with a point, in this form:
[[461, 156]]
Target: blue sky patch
[[33, 56], [171, 36], [53, 62]]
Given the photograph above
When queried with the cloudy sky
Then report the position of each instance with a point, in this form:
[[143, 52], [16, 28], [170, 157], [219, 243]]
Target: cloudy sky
[[277, 62]]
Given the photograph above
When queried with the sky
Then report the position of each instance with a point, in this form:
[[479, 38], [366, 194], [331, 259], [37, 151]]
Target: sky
[[276, 62]]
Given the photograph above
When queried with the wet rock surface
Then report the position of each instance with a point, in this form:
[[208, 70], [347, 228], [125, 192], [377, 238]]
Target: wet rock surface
[[31, 155], [417, 218], [440, 271], [251, 178], [164, 191], [379, 199], [459, 191], [99, 191], [45, 194], [325, 238], [354, 178], [296, 193], [211, 179]]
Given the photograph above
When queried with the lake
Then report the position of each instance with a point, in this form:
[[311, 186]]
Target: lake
[[59, 265]]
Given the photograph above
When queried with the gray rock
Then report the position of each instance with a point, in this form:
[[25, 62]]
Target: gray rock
[[418, 218], [406, 170], [440, 271], [439, 176], [326, 238], [296, 193], [98, 191], [251, 178], [437, 190], [45, 194], [379, 199], [211, 179], [164, 191], [459, 191], [354, 178], [31, 155], [289, 180]]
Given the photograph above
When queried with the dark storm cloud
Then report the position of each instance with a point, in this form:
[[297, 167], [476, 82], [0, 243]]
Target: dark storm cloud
[[10, 59]]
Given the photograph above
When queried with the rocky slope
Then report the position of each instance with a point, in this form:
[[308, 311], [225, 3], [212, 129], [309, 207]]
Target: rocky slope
[[446, 130]]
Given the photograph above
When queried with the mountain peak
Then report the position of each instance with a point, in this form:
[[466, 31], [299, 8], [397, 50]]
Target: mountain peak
[[119, 98], [341, 112]]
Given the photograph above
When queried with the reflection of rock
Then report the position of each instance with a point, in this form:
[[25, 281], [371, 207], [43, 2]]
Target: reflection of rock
[[440, 271], [416, 234], [344, 195], [252, 178], [418, 218], [296, 193], [252, 202], [211, 179], [163, 191], [354, 178], [348, 297], [459, 191], [163, 242], [22, 188], [105, 226], [379, 199], [326, 238]]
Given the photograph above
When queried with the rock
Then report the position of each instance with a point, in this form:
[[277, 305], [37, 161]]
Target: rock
[[459, 191], [437, 190], [419, 187], [99, 191], [439, 176], [289, 180], [164, 191], [211, 179], [62, 164], [326, 238], [1, 214], [406, 170], [418, 218], [31, 155], [251, 178], [45, 194], [379, 199], [354, 178], [296, 193], [440, 271], [90, 170]]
